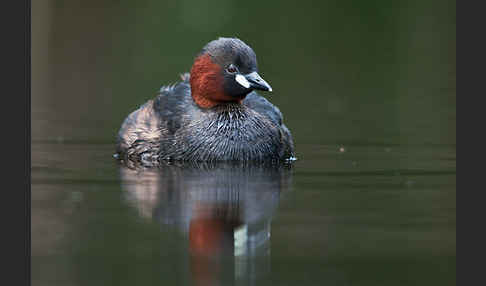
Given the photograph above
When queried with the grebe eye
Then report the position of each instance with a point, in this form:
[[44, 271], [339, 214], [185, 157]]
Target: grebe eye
[[232, 69]]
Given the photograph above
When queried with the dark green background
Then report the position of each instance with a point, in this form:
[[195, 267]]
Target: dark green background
[[377, 78]]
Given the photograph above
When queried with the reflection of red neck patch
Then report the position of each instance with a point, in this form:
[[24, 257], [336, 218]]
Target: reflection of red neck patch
[[207, 83], [206, 236]]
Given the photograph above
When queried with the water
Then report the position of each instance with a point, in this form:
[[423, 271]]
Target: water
[[365, 216], [368, 93]]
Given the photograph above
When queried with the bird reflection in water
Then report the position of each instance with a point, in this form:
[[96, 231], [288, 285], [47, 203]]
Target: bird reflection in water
[[224, 211]]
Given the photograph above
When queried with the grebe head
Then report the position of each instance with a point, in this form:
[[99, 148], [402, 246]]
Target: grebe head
[[225, 71]]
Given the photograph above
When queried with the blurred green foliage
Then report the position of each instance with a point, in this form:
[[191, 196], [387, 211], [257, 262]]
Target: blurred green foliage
[[342, 71]]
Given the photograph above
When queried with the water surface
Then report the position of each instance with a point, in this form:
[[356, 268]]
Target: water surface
[[365, 216]]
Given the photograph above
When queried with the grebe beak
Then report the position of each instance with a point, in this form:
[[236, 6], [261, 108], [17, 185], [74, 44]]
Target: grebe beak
[[257, 82]]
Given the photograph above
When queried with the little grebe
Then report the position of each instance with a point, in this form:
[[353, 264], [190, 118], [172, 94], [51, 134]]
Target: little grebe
[[214, 114]]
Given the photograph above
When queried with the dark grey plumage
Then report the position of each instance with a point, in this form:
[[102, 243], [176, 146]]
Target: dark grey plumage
[[173, 127], [224, 51]]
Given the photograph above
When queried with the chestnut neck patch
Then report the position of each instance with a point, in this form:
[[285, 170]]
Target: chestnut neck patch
[[207, 83]]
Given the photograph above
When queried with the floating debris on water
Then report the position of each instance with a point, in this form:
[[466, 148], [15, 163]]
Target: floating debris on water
[[76, 196], [409, 183]]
